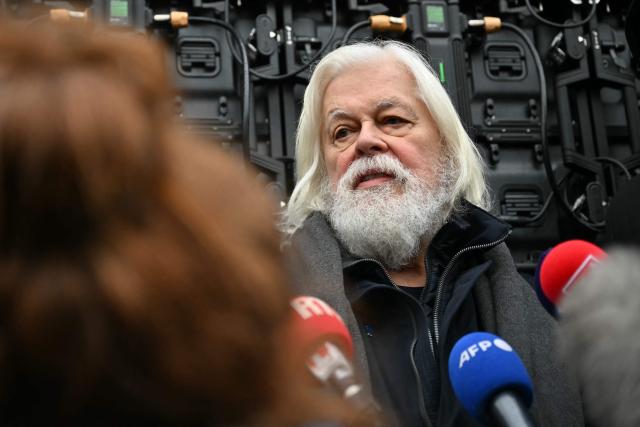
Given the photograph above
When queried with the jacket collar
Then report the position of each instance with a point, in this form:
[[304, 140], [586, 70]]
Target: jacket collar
[[471, 226]]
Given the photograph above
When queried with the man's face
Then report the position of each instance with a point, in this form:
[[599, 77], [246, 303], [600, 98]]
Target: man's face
[[389, 182], [373, 109]]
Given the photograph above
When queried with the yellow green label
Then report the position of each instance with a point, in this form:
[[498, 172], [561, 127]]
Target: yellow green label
[[119, 8], [435, 14]]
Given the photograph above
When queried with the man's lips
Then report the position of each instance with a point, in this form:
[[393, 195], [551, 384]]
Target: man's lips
[[372, 179]]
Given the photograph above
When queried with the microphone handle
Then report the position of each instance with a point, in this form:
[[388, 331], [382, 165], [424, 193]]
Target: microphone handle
[[507, 410], [356, 395]]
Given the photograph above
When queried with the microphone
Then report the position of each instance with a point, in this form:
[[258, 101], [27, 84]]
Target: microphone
[[322, 334], [490, 380], [561, 267], [599, 335]]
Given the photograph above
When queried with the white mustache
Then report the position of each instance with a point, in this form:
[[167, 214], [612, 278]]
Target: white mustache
[[382, 163]]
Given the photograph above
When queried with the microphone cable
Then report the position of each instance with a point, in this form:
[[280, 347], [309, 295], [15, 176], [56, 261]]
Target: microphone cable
[[558, 24], [279, 77], [546, 157], [355, 27]]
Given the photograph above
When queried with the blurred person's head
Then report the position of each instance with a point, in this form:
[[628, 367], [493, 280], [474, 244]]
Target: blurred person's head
[[599, 323], [140, 274], [381, 151]]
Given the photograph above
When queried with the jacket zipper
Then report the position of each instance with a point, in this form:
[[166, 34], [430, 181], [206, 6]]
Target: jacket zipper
[[439, 289], [436, 308], [429, 333], [423, 409], [384, 270]]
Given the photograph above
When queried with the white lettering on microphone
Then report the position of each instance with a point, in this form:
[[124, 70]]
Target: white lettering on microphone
[[308, 307], [472, 350], [588, 262]]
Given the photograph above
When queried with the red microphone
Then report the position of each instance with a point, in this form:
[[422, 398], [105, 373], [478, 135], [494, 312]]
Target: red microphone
[[315, 322], [322, 334], [565, 265]]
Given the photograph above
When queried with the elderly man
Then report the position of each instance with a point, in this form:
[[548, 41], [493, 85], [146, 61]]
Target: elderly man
[[388, 224]]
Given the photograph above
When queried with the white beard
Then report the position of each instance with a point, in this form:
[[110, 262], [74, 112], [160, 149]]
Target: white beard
[[389, 222]]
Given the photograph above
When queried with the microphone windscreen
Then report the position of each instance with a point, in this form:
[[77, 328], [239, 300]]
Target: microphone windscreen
[[565, 264], [481, 364], [315, 323]]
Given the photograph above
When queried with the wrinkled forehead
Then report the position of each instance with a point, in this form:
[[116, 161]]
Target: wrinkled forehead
[[373, 84]]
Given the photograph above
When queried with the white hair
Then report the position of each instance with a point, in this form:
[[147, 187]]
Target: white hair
[[310, 168]]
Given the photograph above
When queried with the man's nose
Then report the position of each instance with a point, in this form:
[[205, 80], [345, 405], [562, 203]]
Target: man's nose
[[370, 140]]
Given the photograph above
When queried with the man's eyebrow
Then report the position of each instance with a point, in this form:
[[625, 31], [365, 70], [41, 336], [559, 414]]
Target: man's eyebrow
[[336, 114], [393, 102]]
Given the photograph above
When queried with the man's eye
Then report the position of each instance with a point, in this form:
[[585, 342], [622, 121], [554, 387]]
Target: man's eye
[[393, 120], [341, 133]]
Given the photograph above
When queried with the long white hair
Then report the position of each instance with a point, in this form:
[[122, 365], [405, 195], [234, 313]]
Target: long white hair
[[310, 167]]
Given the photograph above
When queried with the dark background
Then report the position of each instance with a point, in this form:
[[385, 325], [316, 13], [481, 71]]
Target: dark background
[[593, 121]]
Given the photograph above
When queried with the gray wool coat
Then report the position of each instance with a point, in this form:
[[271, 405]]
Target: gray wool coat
[[507, 306]]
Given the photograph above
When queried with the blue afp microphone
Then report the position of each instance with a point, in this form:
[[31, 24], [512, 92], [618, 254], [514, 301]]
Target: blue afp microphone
[[490, 380]]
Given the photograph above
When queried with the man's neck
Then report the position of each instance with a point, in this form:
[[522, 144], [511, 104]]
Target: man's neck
[[414, 274]]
